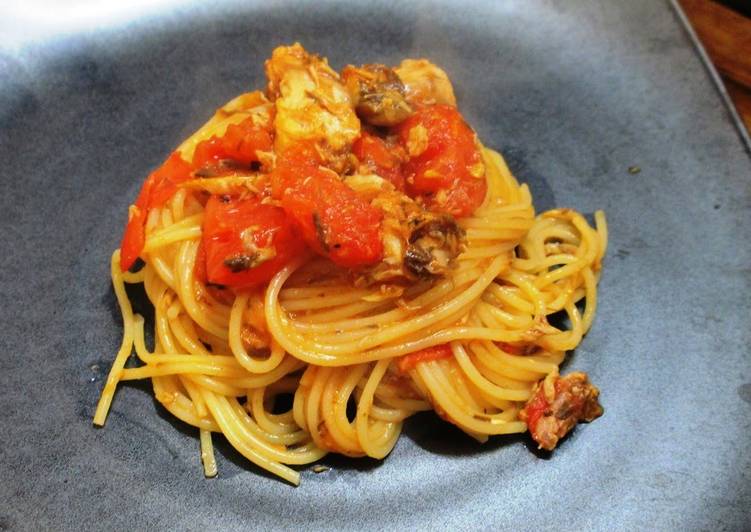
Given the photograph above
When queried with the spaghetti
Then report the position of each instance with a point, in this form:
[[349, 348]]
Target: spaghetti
[[405, 292]]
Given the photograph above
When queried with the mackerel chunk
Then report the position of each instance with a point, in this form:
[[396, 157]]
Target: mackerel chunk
[[417, 244], [556, 407]]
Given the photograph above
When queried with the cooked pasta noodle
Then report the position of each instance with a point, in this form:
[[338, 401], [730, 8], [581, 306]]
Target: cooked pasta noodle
[[340, 349]]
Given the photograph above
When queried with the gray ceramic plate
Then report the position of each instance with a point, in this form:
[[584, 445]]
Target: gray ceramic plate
[[574, 93]]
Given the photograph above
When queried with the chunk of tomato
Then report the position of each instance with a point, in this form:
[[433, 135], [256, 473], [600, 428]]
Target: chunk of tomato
[[445, 166], [240, 143], [335, 222], [437, 352], [535, 409], [158, 188], [246, 242], [382, 160]]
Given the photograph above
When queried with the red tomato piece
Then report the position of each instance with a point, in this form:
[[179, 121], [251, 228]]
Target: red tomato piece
[[167, 179], [134, 237], [535, 408], [549, 419], [538, 405], [437, 352], [373, 152], [199, 268], [239, 143], [159, 187], [220, 293], [444, 160], [246, 242], [335, 222]]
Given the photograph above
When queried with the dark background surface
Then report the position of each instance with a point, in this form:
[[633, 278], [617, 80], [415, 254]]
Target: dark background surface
[[572, 95], [724, 30], [741, 6]]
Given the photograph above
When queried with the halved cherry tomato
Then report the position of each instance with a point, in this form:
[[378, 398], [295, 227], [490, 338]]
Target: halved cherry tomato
[[535, 408], [199, 268], [373, 152], [437, 352], [239, 143], [445, 166], [334, 220], [246, 242], [159, 187]]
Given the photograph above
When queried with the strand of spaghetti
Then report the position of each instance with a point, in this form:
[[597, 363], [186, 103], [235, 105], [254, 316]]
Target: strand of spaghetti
[[503, 318], [465, 393], [126, 311], [312, 411], [276, 437], [195, 396], [288, 365], [189, 342], [590, 297], [469, 369], [177, 204], [364, 325], [186, 259], [569, 339], [220, 312], [263, 418], [133, 277], [496, 233], [163, 330], [509, 298], [365, 411], [303, 454], [162, 269], [529, 289], [229, 428], [588, 258], [499, 373], [329, 300], [167, 390], [545, 263], [186, 229], [162, 217], [427, 299], [441, 391], [252, 365], [389, 396], [601, 225], [522, 210], [391, 415], [217, 386], [333, 405], [207, 454], [327, 354], [183, 409], [487, 251], [500, 368], [300, 400], [179, 369], [541, 365], [222, 361]]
